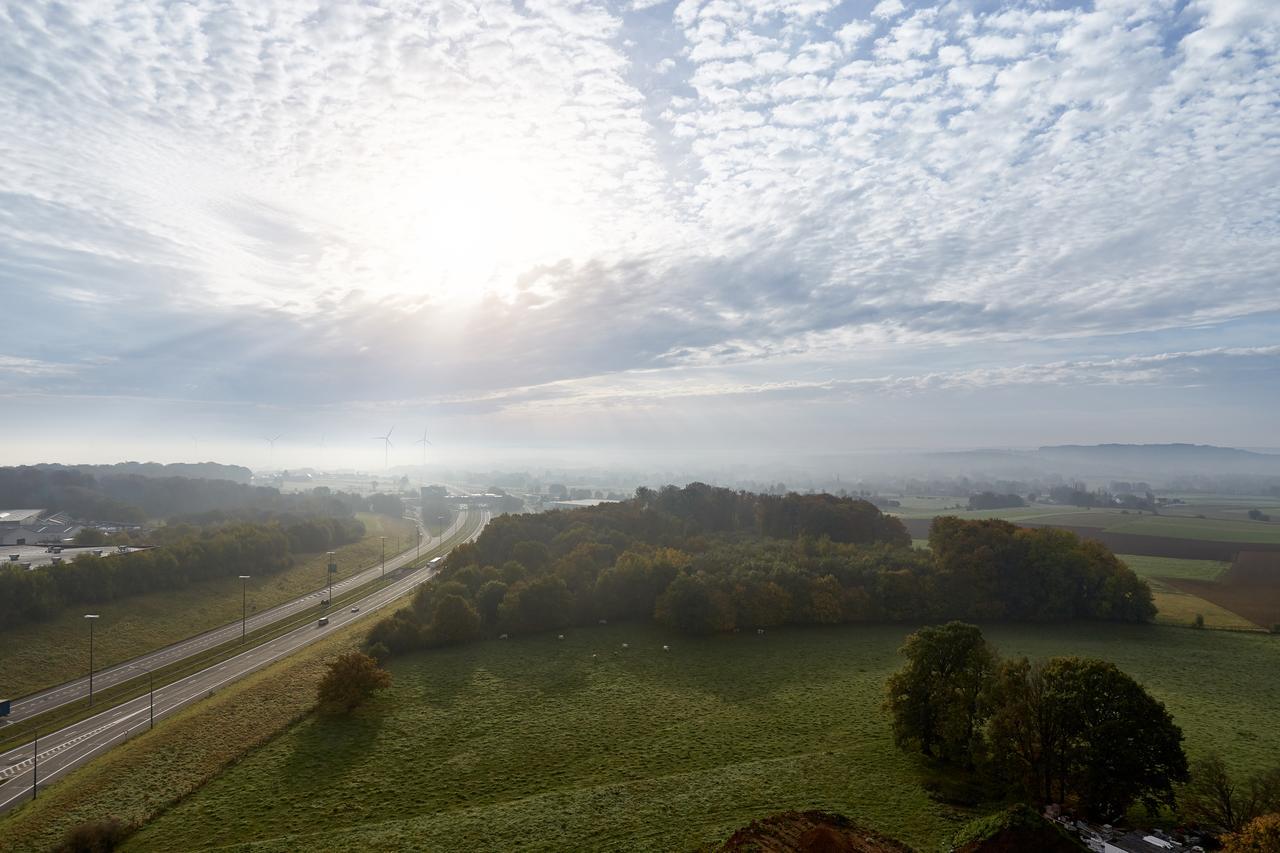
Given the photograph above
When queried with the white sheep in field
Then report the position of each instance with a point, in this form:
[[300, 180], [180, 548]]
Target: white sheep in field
[[760, 631], [502, 636], [561, 637], [666, 648], [604, 621], [626, 646]]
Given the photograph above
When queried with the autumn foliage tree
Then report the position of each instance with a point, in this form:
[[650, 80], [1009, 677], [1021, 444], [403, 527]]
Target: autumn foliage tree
[[936, 699], [352, 677]]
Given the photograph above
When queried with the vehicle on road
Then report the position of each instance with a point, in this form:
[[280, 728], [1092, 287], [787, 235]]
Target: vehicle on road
[[324, 620], [355, 610]]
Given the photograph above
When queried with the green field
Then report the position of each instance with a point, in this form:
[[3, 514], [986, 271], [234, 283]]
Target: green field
[[40, 654], [1172, 567], [532, 744]]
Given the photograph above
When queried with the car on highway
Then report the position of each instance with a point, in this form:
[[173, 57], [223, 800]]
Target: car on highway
[[324, 620], [355, 609]]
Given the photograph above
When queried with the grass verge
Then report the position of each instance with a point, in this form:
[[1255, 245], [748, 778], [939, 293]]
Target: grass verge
[[140, 779]]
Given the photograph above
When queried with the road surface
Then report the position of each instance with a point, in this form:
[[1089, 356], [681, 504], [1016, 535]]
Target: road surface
[[78, 743], [78, 690]]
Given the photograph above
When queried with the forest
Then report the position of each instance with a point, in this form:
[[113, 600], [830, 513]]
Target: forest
[[705, 560]]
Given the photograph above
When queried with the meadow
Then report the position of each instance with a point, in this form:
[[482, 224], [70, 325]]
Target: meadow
[[541, 744], [40, 654]]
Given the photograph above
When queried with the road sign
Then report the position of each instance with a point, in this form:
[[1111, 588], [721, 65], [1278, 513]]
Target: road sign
[[4, 708]]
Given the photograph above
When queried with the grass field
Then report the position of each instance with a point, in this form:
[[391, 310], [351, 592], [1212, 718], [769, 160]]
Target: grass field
[[1171, 567], [146, 775], [40, 654], [532, 744]]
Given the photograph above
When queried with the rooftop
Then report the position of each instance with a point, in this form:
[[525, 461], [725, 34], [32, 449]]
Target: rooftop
[[19, 516]]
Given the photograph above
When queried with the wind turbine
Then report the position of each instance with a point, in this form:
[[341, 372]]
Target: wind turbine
[[386, 445], [423, 441], [272, 458]]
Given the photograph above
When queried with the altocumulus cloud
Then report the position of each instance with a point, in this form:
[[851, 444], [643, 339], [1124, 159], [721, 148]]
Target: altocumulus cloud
[[550, 208]]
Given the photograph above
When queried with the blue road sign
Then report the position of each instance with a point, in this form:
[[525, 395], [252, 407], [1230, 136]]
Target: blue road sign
[[4, 708]]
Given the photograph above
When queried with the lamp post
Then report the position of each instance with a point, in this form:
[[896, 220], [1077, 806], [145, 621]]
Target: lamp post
[[35, 762], [384, 555], [418, 532], [333, 569], [151, 688], [441, 520], [244, 605], [91, 617]]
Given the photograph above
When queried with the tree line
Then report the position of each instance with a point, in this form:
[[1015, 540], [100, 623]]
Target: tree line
[[190, 556], [133, 498], [705, 560]]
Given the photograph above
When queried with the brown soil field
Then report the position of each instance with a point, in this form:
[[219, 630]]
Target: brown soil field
[[1250, 588], [1136, 543]]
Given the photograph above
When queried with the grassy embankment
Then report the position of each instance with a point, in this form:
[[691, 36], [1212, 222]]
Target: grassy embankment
[[41, 654], [138, 780], [534, 744]]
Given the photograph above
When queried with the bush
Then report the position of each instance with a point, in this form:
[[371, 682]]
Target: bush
[[1198, 622], [97, 836], [351, 679]]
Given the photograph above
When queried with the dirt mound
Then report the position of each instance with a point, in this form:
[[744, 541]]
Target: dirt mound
[[809, 832]]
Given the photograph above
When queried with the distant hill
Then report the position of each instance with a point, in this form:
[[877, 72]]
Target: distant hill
[[156, 470], [1156, 463]]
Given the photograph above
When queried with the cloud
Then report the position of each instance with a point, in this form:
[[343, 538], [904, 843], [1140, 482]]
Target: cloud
[[291, 204]]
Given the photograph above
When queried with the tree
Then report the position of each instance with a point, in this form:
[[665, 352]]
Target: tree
[[352, 677], [1081, 731], [1212, 797], [454, 621], [696, 605], [90, 537], [489, 599], [1261, 835], [937, 699]]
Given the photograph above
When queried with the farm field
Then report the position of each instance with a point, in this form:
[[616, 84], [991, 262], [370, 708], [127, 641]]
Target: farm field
[[533, 744], [40, 654], [1250, 588], [1173, 567]]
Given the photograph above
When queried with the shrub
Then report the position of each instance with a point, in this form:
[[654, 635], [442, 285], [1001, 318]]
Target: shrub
[[97, 836]]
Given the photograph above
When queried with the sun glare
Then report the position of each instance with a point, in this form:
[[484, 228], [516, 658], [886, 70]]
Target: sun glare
[[468, 229]]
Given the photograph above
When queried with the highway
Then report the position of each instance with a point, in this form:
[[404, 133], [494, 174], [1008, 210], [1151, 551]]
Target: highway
[[78, 690], [78, 743]]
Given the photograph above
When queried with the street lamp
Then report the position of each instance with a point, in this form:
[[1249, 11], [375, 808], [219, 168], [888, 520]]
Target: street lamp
[[333, 569], [417, 531], [91, 617], [384, 555], [244, 605], [441, 520]]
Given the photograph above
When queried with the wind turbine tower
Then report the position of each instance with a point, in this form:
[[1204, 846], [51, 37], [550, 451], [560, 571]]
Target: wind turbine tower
[[386, 446], [423, 441], [271, 460]]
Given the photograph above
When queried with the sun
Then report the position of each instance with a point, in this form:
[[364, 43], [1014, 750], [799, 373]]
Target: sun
[[467, 227]]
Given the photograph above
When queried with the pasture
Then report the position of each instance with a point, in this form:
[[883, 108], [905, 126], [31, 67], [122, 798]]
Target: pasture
[[535, 744], [40, 654]]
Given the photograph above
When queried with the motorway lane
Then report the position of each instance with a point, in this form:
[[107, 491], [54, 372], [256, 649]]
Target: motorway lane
[[71, 691], [79, 742]]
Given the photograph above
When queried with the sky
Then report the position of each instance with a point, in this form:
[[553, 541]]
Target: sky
[[696, 228]]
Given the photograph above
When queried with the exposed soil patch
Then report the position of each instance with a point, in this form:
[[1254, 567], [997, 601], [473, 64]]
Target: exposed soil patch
[[1250, 588], [809, 832]]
